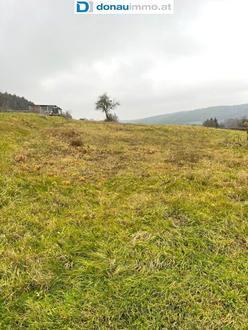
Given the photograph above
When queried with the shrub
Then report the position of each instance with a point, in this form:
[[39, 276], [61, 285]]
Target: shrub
[[76, 142], [112, 117]]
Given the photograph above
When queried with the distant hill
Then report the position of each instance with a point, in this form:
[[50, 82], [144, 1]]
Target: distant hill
[[197, 116], [13, 102]]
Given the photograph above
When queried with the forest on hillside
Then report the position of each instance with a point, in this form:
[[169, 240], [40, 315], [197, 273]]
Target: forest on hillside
[[13, 102]]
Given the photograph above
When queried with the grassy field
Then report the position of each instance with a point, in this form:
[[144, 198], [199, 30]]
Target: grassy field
[[109, 226]]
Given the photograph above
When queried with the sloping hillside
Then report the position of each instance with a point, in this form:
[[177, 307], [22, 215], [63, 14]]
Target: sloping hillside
[[197, 116], [107, 226]]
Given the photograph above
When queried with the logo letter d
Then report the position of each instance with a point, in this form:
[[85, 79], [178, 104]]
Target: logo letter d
[[82, 6]]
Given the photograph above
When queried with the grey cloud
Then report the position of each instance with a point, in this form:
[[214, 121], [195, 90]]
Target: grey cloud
[[48, 54]]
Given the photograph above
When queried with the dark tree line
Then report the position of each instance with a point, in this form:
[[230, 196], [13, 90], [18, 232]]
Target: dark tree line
[[13, 102], [212, 122], [229, 123]]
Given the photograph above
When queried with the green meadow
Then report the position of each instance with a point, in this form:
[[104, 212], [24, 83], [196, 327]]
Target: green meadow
[[117, 226]]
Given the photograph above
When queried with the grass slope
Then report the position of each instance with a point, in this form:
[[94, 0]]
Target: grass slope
[[107, 226]]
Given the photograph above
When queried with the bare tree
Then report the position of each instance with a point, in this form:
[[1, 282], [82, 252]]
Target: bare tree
[[107, 105]]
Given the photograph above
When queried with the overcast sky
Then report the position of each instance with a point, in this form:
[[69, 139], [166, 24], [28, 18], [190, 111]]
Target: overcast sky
[[152, 64]]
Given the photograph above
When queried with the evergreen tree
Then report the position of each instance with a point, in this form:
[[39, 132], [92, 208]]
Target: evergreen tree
[[212, 122]]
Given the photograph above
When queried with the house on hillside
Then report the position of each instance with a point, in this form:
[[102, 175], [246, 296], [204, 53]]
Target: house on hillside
[[50, 110]]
